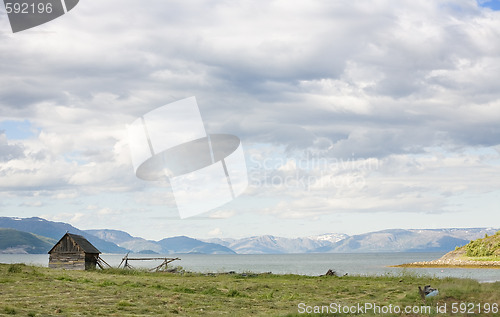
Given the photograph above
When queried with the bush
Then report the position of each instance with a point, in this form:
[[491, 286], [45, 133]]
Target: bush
[[477, 248], [16, 268], [9, 311], [233, 293]]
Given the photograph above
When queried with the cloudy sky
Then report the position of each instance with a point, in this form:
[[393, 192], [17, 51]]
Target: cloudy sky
[[354, 116]]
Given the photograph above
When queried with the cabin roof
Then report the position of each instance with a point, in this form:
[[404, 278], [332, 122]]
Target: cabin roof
[[86, 246]]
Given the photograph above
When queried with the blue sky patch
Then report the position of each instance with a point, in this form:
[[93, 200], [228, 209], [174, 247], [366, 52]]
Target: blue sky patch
[[492, 4], [17, 130]]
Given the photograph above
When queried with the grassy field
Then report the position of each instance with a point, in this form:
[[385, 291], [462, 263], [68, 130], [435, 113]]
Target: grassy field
[[36, 291]]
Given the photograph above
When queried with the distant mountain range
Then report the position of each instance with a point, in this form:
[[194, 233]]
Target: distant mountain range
[[271, 244], [56, 230], [37, 235], [393, 240], [172, 245], [412, 240]]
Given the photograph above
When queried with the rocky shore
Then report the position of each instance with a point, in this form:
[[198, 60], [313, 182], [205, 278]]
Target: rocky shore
[[454, 259]]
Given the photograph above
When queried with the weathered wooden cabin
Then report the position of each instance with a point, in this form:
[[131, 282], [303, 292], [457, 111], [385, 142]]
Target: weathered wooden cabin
[[73, 252]]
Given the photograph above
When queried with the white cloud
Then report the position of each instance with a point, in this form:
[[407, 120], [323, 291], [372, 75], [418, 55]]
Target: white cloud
[[410, 85], [216, 232], [31, 204], [75, 219], [107, 211], [222, 214]]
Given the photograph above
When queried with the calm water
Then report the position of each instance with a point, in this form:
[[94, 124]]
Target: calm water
[[304, 264]]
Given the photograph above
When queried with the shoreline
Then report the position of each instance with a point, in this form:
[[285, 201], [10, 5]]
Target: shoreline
[[446, 265], [454, 259]]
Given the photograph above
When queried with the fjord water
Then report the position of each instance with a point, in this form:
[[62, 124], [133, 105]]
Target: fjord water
[[304, 264]]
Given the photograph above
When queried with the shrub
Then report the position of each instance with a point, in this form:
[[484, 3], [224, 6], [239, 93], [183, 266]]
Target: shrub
[[9, 311], [16, 268], [477, 248]]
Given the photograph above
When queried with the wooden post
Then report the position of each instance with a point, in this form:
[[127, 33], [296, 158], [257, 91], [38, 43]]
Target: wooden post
[[422, 293]]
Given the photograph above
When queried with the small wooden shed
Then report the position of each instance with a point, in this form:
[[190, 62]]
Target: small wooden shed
[[73, 252]]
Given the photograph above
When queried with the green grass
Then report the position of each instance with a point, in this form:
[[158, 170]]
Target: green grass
[[36, 291]]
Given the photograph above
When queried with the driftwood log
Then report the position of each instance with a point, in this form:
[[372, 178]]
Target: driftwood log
[[330, 272]]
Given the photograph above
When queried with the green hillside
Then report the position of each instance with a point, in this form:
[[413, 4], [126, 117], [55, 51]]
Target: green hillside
[[489, 246], [15, 241]]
